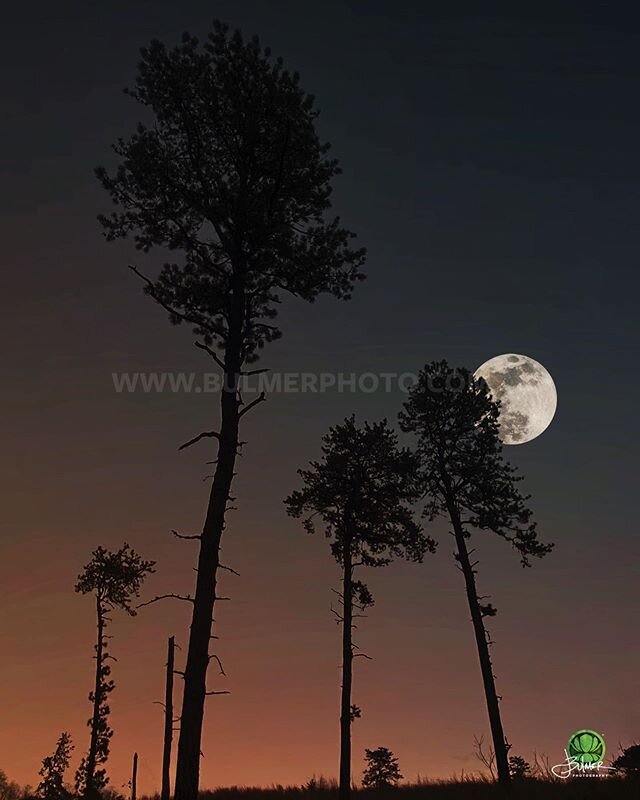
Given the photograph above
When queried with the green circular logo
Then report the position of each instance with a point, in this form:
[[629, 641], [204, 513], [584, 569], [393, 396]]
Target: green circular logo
[[586, 747]]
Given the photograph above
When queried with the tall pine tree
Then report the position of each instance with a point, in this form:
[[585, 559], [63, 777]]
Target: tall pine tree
[[361, 490], [114, 579], [466, 479], [232, 178]]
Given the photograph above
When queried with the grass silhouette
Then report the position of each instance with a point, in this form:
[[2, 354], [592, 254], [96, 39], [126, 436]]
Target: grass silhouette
[[476, 788]]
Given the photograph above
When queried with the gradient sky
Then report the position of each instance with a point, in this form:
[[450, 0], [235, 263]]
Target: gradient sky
[[491, 166]]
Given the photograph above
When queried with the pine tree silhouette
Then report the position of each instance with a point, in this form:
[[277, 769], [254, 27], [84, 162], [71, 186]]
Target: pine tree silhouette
[[114, 579], [233, 179], [382, 770], [466, 479], [52, 787], [361, 490]]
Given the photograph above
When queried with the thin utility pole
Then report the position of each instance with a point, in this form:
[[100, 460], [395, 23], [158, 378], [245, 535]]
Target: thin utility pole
[[134, 776], [165, 792]]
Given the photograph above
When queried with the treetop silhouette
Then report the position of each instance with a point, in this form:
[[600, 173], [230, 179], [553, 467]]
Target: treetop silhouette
[[115, 578], [461, 457], [233, 175], [362, 491], [52, 787]]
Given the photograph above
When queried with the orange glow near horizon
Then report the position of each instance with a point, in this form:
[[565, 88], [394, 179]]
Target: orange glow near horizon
[[421, 695]]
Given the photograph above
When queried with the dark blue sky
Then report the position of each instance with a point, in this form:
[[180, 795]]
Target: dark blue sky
[[492, 168]]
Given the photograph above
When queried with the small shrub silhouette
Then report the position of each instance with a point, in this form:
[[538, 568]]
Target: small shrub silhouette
[[382, 770]]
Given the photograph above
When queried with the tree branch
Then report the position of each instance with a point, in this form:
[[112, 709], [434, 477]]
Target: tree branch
[[184, 317], [203, 435], [253, 403], [186, 598], [214, 657], [182, 536], [212, 353]]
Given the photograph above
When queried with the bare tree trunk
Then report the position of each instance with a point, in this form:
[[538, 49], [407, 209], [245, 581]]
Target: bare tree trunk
[[165, 792], [493, 707], [195, 676], [344, 792], [89, 791], [134, 777]]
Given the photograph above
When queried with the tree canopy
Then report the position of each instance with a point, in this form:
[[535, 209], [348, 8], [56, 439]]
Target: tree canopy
[[114, 577], [233, 175], [455, 420], [362, 489]]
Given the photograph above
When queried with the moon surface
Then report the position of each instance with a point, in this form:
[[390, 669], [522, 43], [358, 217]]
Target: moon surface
[[526, 392]]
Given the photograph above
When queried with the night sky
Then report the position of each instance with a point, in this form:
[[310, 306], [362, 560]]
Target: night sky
[[491, 167]]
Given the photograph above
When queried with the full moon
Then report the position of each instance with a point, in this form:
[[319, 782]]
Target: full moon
[[526, 392]]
